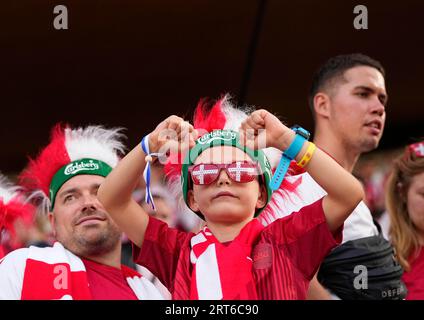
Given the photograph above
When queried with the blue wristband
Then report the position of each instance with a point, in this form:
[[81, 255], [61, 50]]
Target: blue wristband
[[295, 147], [288, 155], [279, 173]]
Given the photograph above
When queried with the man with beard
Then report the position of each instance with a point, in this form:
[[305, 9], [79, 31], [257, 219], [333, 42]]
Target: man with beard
[[85, 262]]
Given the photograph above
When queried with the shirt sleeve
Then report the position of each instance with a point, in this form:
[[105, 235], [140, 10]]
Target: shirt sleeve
[[306, 237], [161, 250], [12, 268]]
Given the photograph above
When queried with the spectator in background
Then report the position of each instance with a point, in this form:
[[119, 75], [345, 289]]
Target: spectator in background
[[38, 233], [165, 207], [166, 211], [16, 217], [347, 99], [405, 204]]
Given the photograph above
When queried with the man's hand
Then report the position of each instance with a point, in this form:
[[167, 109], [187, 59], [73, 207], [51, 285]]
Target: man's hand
[[262, 129]]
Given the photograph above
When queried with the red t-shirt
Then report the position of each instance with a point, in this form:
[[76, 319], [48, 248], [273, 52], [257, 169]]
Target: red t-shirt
[[285, 257], [414, 279], [106, 282]]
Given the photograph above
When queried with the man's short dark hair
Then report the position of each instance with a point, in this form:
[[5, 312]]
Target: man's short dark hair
[[334, 69]]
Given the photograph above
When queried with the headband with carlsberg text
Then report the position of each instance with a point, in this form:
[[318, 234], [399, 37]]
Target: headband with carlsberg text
[[82, 166]]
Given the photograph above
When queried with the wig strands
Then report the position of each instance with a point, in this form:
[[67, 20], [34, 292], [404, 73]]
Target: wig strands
[[13, 207], [67, 145]]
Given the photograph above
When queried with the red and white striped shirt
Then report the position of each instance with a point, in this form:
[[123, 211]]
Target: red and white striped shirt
[[285, 257]]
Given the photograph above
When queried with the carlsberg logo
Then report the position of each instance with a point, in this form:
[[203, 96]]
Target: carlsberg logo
[[75, 167], [217, 135]]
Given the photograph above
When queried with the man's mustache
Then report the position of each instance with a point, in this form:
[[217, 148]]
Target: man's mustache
[[96, 214]]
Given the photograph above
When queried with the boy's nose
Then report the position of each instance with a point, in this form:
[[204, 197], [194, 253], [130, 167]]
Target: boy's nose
[[223, 178]]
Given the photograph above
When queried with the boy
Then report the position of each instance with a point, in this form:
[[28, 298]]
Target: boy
[[226, 181]]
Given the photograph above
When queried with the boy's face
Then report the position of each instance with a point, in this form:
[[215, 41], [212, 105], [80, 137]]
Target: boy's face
[[224, 200]]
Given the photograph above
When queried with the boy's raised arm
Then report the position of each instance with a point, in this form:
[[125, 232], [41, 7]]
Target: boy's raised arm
[[115, 193], [344, 192]]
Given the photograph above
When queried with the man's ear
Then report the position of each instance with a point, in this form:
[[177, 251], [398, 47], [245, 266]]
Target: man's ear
[[262, 196], [192, 202], [322, 105], [52, 221]]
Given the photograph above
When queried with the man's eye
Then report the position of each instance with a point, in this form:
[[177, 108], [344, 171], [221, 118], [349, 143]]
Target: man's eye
[[69, 198], [363, 94]]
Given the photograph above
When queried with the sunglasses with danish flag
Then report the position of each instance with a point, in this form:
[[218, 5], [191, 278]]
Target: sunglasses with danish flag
[[239, 171]]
